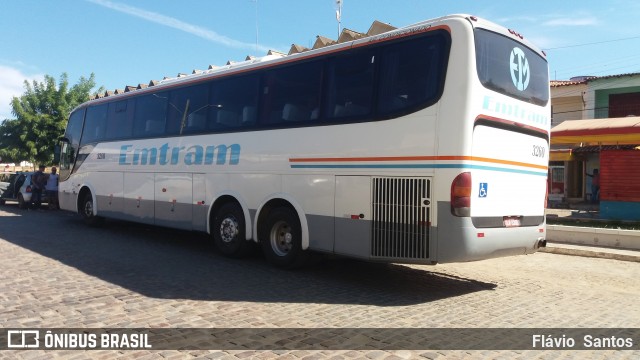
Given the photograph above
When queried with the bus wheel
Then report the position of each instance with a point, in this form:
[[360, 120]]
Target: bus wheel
[[281, 239], [228, 229], [86, 211]]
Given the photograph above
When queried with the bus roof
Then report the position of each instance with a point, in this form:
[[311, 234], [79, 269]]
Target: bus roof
[[378, 31]]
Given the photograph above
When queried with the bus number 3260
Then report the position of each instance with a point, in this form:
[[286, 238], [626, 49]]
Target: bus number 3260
[[538, 151]]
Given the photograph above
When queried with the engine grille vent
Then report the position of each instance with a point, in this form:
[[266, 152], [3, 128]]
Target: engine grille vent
[[401, 218]]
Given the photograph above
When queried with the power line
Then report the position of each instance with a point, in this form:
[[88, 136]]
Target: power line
[[592, 43], [612, 85]]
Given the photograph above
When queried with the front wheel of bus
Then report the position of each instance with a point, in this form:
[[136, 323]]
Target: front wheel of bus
[[228, 229], [281, 239], [86, 211]]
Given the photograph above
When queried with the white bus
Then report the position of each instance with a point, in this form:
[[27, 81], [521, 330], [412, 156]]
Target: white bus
[[426, 144]]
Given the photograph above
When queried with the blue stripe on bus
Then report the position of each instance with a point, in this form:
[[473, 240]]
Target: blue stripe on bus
[[418, 166]]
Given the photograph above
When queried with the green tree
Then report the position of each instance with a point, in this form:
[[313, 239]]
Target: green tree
[[41, 112]]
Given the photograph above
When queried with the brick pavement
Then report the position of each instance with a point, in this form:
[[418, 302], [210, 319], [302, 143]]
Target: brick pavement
[[56, 272]]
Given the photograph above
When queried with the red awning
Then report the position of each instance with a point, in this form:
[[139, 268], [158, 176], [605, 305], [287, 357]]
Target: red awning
[[599, 148], [610, 131]]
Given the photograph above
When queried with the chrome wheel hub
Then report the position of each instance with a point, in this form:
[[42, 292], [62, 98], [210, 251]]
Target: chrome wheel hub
[[229, 229], [281, 238]]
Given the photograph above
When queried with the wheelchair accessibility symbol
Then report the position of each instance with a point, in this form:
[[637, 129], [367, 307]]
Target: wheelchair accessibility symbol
[[483, 190]]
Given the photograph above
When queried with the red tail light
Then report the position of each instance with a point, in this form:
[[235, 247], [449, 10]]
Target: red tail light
[[28, 189], [461, 195]]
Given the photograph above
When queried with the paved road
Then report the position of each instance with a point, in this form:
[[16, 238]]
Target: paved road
[[58, 273]]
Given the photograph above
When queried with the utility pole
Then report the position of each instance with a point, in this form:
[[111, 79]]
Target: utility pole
[[339, 15]]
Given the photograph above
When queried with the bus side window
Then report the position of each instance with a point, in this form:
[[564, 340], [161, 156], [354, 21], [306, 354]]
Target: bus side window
[[292, 93], [150, 115], [350, 85], [95, 124], [183, 103], [411, 73], [120, 125], [233, 103]]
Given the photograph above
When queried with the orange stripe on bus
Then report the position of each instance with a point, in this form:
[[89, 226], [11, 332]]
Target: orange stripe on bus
[[420, 158]]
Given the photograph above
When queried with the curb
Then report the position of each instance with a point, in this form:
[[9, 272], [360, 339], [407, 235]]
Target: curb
[[603, 253], [593, 236]]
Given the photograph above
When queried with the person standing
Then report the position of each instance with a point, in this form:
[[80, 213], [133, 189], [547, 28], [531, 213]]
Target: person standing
[[595, 185], [51, 188], [38, 181]]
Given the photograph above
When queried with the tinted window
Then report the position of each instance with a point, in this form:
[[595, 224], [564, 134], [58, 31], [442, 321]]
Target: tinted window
[[150, 115], [74, 127], [350, 85], [187, 110], [412, 73], [511, 68], [95, 124], [362, 84], [68, 151], [292, 94], [120, 125], [234, 103]]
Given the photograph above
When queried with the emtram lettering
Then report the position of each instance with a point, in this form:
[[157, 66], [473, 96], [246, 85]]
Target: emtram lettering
[[174, 155], [506, 109]]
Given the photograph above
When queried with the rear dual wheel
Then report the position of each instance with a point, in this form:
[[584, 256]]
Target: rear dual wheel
[[281, 238]]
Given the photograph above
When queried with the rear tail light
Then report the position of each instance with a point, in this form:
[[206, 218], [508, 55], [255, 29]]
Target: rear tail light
[[461, 195], [28, 189]]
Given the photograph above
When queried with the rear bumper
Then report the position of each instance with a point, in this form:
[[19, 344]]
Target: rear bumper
[[458, 240], [28, 196]]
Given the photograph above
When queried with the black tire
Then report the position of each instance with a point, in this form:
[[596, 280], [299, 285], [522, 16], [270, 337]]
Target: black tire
[[21, 203], [86, 211], [228, 230], [281, 239]]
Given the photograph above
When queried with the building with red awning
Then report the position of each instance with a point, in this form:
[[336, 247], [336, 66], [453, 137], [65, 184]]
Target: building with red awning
[[597, 126]]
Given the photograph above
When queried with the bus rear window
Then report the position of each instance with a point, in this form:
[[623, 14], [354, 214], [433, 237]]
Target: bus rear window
[[510, 68]]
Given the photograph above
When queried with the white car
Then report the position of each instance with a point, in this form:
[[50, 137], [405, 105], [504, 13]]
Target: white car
[[4, 181], [18, 188]]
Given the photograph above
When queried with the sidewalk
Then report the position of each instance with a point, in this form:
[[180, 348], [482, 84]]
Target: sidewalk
[[568, 235], [591, 251], [575, 213]]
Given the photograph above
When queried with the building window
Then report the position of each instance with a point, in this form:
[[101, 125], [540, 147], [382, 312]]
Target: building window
[[622, 105]]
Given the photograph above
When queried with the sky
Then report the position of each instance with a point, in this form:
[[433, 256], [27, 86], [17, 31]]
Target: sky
[[131, 42]]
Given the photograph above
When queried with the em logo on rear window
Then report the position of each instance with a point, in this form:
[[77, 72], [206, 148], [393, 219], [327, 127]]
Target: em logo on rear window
[[519, 69]]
